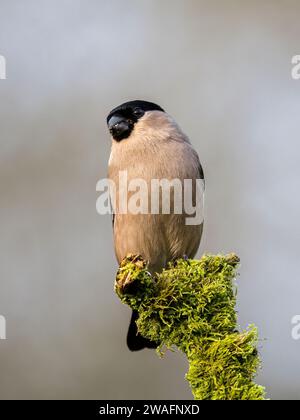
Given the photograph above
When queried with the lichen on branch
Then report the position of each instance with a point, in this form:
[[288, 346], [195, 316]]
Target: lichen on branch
[[191, 305]]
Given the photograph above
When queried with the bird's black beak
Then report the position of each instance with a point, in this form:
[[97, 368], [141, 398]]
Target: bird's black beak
[[119, 127]]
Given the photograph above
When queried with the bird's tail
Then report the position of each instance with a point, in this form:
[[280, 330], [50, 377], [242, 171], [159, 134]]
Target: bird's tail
[[135, 341]]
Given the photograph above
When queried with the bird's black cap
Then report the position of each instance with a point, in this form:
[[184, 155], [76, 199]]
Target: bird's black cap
[[142, 105]]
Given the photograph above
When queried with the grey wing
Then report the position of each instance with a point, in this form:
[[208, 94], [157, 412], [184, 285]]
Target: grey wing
[[200, 170], [112, 212]]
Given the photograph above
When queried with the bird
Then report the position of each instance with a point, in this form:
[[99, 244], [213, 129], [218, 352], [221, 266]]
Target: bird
[[148, 144]]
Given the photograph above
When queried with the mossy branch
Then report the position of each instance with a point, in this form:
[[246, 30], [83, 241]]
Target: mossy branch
[[191, 305]]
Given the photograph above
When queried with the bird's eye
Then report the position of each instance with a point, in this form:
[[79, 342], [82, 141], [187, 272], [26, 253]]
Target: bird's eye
[[138, 112]]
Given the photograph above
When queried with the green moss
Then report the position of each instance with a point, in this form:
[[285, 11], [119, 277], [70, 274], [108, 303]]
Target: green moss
[[191, 305]]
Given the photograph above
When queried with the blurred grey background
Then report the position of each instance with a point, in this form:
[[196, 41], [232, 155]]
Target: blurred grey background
[[223, 70]]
